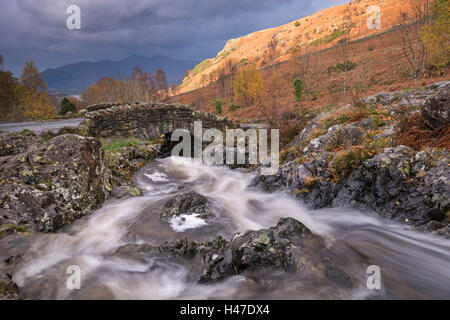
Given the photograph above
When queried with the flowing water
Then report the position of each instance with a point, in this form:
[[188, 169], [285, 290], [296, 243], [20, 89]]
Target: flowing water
[[413, 265]]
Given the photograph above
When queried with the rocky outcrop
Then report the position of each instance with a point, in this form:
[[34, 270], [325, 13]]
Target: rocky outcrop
[[47, 187], [415, 97], [436, 110], [337, 135], [147, 121], [124, 162], [288, 247], [189, 203], [16, 143], [357, 165], [401, 184]]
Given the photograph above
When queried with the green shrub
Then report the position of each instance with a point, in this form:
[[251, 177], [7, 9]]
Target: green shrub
[[234, 107], [67, 106], [297, 24], [345, 66], [121, 143], [218, 106], [298, 89]]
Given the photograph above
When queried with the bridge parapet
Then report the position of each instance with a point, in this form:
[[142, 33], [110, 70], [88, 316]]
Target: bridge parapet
[[148, 120]]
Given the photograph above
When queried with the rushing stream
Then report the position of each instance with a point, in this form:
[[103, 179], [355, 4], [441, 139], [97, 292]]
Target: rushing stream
[[413, 265]]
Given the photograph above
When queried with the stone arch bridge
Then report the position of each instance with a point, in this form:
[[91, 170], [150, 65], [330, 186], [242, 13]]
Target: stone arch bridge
[[148, 120]]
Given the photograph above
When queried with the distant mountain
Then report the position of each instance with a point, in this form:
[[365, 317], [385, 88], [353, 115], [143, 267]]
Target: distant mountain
[[79, 75]]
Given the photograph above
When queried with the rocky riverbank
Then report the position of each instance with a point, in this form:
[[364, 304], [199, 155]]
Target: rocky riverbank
[[335, 161], [353, 157]]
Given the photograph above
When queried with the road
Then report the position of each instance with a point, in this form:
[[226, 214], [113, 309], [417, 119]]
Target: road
[[39, 126]]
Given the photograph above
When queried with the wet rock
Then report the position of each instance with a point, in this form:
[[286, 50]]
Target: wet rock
[[186, 203], [401, 184], [50, 186], [124, 162], [310, 182], [288, 247], [436, 110], [8, 289], [180, 248], [126, 191], [398, 183]]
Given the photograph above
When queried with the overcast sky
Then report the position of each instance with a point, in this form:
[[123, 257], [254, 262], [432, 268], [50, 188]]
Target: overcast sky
[[114, 29]]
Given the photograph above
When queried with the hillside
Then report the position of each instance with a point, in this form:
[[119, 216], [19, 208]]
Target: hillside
[[321, 30], [77, 76]]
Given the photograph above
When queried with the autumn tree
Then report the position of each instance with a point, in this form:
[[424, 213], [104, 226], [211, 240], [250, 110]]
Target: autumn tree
[[435, 35], [140, 86], [31, 78], [8, 96], [161, 80], [104, 90], [33, 97], [248, 86]]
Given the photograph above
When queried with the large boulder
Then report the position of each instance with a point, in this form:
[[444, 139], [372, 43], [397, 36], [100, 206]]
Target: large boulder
[[188, 203], [436, 110], [47, 187], [402, 184], [288, 247]]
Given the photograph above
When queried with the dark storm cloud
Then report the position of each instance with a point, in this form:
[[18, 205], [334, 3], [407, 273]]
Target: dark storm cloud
[[113, 29]]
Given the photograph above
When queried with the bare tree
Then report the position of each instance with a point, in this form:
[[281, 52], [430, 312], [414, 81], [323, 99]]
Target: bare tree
[[304, 64], [272, 51], [343, 56], [161, 80], [408, 34]]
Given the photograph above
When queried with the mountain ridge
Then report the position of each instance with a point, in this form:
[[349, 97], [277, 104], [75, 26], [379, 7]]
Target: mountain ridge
[[321, 30], [79, 75]]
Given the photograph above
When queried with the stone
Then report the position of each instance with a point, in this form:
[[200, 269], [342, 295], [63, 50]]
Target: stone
[[50, 186], [288, 247], [337, 135], [147, 121], [15, 143], [186, 203], [436, 110]]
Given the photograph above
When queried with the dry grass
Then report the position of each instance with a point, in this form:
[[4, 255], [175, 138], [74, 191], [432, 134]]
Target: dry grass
[[415, 134]]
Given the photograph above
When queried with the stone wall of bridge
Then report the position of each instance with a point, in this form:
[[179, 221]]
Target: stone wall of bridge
[[148, 121]]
